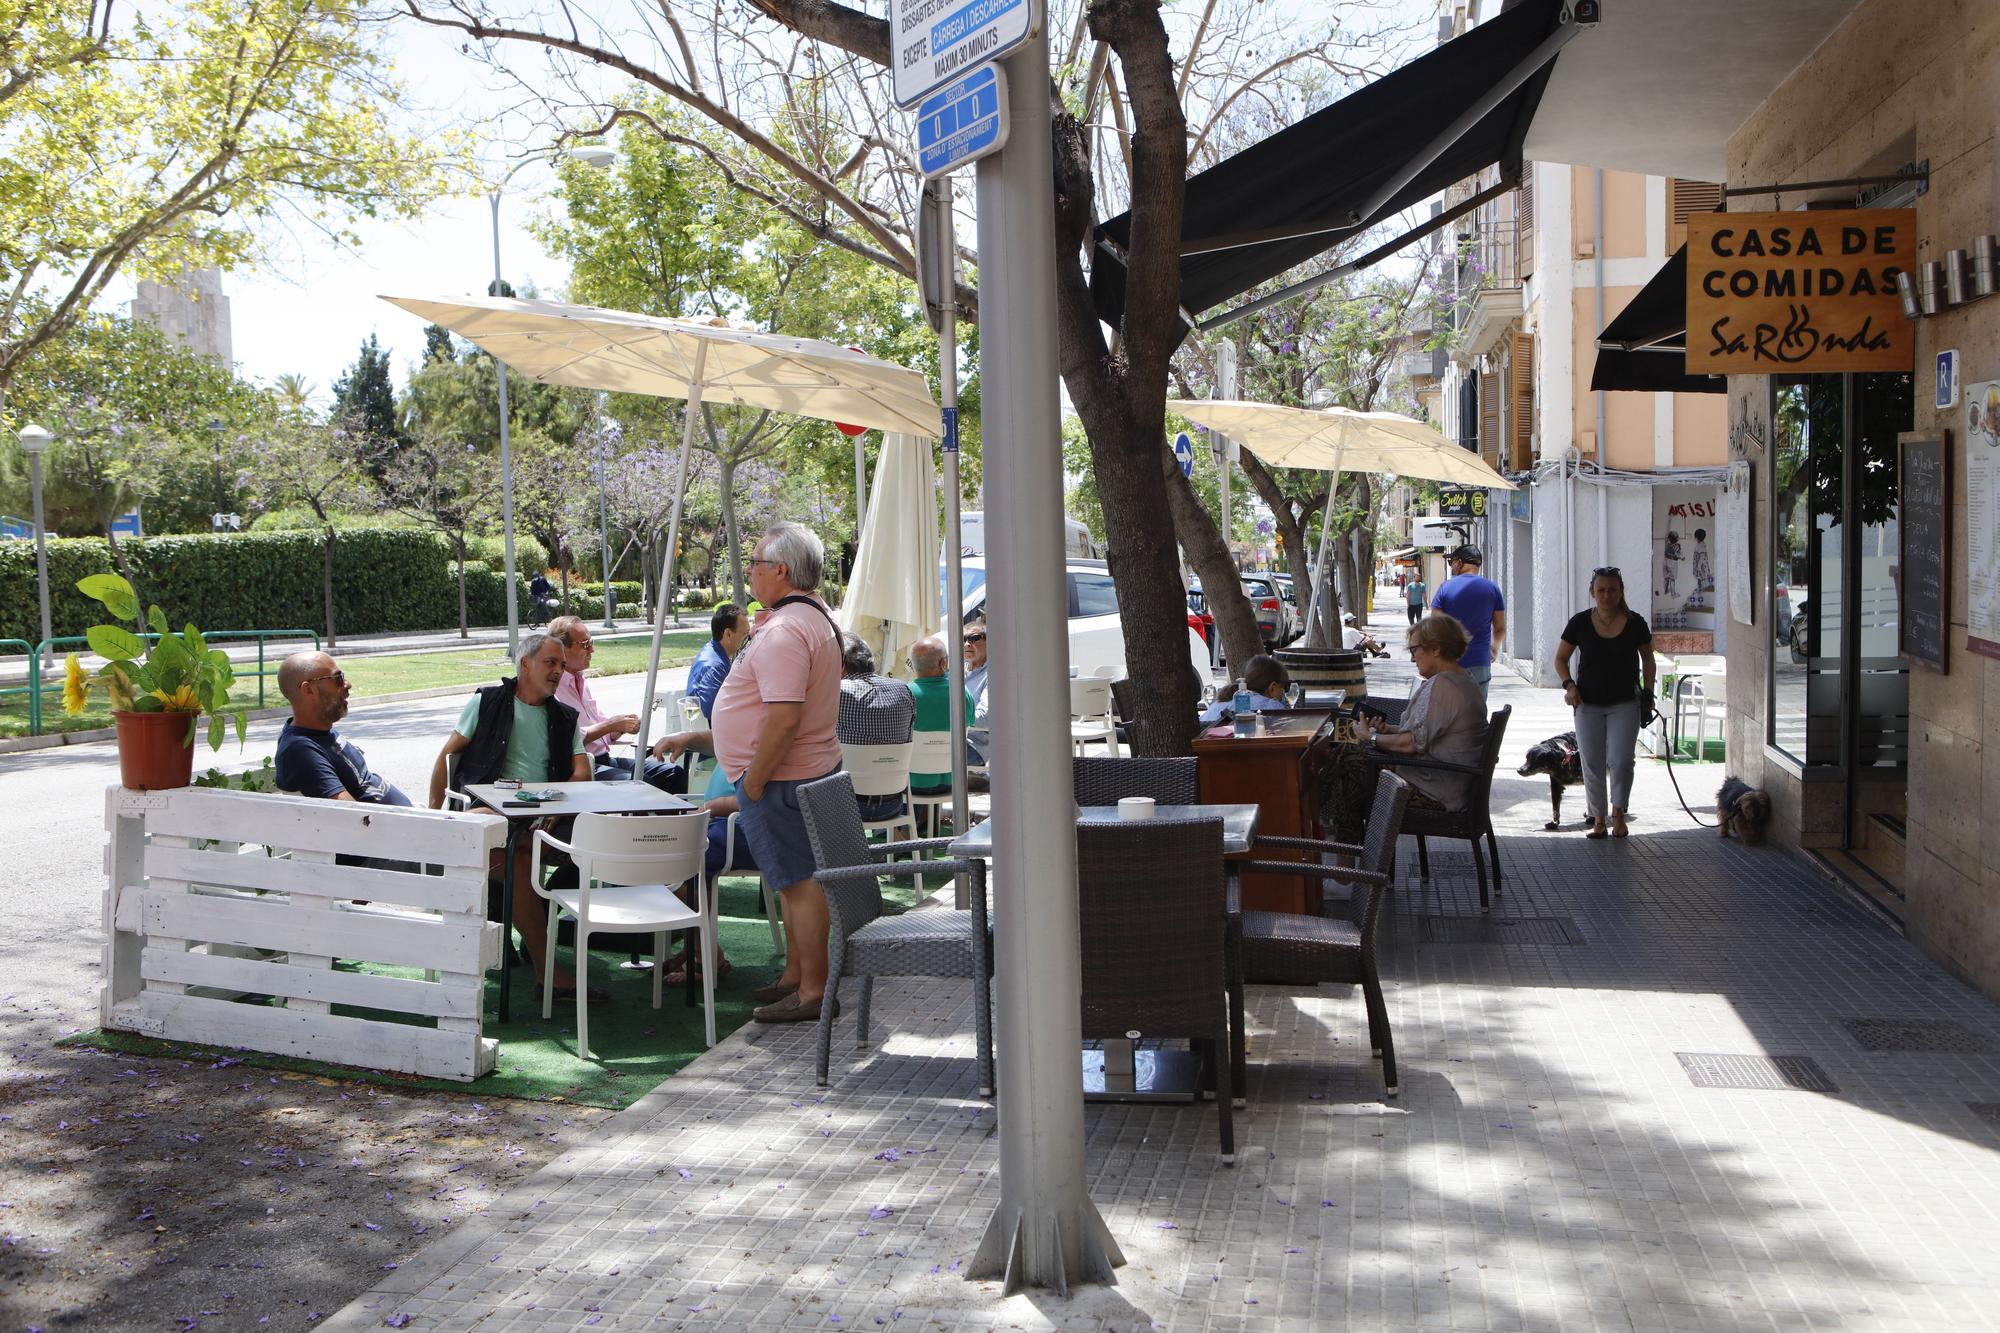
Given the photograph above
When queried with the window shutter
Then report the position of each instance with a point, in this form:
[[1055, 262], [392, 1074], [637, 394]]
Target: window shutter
[[1685, 197], [1521, 407], [1525, 206], [1489, 416]]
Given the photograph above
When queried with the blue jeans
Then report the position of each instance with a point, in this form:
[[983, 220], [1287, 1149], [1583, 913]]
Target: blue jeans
[[1482, 676]]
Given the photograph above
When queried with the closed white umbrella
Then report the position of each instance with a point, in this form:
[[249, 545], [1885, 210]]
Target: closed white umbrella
[[592, 348], [892, 595], [1336, 440]]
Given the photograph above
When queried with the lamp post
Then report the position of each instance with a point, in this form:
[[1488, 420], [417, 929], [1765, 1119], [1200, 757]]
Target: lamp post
[[34, 442], [591, 157], [218, 519]]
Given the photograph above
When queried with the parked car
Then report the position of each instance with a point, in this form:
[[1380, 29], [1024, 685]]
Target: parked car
[[1274, 618], [1096, 636]]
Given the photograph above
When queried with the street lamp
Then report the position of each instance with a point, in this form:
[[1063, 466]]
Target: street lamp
[[34, 442], [590, 157], [220, 518]]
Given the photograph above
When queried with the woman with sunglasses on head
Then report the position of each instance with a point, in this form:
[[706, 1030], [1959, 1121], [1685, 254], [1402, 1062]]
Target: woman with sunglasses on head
[[1604, 691]]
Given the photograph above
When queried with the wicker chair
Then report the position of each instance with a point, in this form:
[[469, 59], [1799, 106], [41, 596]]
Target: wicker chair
[[1150, 907], [1289, 949], [866, 942], [1472, 823]]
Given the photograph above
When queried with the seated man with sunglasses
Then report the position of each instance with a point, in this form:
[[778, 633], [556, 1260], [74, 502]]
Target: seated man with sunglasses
[[312, 759]]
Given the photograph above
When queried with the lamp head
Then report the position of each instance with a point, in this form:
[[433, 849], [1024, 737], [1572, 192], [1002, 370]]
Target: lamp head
[[592, 155], [34, 439]]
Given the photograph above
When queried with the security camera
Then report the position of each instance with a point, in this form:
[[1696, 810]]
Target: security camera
[[1587, 13]]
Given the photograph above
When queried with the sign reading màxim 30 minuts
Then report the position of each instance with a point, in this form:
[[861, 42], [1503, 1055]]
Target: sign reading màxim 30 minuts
[[1799, 293]]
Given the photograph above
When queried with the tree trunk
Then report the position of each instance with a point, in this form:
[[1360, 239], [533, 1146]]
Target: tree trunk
[[1221, 583], [1291, 523], [726, 473], [459, 543], [122, 565]]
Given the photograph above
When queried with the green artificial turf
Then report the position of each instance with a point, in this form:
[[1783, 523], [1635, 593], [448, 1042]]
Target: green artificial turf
[[634, 1047]]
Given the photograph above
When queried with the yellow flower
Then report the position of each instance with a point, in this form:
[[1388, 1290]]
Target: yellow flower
[[182, 700], [76, 686]]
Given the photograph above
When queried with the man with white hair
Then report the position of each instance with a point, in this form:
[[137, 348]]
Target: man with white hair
[[775, 729]]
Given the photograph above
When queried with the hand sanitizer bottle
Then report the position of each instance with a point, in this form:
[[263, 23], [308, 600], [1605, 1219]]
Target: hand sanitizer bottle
[[1245, 706]]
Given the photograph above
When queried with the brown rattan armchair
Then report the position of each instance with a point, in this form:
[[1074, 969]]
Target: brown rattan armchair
[[1472, 823], [1291, 949], [1150, 908]]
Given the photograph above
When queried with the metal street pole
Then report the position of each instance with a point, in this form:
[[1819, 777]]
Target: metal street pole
[[34, 440], [953, 612], [1046, 1232], [603, 519], [506, 459]]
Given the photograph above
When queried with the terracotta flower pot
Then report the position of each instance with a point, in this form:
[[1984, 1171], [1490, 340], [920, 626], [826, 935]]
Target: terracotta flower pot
[[155, 751]]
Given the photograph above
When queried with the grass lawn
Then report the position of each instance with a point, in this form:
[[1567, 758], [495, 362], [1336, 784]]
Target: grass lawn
[[371, 678]]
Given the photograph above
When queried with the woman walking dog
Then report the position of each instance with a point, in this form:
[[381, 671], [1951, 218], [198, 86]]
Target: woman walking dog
[[1604, 691]]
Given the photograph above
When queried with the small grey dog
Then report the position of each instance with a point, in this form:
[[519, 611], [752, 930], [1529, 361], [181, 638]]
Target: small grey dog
[[1743, 807]]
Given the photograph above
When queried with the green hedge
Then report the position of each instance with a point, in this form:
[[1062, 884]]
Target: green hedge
[[383, 579]]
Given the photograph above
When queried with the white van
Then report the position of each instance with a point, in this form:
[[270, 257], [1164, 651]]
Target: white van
[[1076, 537], [1096, 636]]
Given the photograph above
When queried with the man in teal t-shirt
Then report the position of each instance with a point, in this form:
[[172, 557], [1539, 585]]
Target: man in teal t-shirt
[[932, 689]]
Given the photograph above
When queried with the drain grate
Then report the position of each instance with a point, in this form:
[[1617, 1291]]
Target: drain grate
[[1785, 1072], [1987, 1111], [1499, 930], [1935, 1036]]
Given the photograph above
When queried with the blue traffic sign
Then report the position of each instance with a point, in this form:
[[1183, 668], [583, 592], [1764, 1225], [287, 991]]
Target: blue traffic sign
[[963, 122], [1184, 453]]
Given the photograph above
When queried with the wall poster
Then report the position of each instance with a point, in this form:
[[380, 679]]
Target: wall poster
[[1982, 517], [1736, 550]]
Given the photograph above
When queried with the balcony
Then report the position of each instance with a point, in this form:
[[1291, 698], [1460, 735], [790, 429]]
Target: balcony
[[1489, 278], [1422, 365]]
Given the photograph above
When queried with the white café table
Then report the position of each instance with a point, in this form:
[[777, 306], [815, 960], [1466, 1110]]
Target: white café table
[[578, 798]]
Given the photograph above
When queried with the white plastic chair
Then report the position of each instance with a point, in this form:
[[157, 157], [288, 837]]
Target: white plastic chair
[[627, 867], [763, 884], [882, 770], [1091, 715], [930, 752]]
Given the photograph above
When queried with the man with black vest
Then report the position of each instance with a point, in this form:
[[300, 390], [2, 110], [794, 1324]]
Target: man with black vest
[[518, 729]]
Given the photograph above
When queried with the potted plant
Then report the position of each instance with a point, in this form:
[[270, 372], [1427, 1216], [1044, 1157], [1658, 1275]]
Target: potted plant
[[158, 692]]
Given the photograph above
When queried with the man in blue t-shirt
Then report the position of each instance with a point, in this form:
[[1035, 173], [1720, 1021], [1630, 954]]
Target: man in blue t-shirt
[[312, 760], [727, 629], [1474, 601]]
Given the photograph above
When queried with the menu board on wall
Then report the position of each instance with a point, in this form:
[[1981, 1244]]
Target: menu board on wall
[[1982, 518], [1736, 548], [1923, 536]]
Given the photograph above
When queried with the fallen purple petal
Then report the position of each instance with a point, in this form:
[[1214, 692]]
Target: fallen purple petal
[[1170, 1226], [397, 1321], [878, 1213]]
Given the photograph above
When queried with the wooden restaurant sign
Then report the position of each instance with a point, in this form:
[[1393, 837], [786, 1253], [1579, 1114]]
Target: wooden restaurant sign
[[1799, 293]]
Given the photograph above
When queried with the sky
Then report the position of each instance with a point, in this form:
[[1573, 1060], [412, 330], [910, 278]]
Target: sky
[[307, 310]]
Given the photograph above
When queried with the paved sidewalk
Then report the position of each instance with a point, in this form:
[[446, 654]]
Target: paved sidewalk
[[1551, 1163]]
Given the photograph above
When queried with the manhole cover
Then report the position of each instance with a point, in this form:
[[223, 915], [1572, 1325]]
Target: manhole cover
[[1938, 1036], [1755, 1071], [1499, 930], [1987, 1111]]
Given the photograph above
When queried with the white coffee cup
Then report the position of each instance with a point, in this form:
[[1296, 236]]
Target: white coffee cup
[[1135, 807]]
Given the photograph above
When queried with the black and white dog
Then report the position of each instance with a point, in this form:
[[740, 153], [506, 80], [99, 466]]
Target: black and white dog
[[1558, 757]]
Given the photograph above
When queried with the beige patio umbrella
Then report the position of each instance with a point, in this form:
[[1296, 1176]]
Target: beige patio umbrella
[[1336, 440], [893, 598], [592, 348]]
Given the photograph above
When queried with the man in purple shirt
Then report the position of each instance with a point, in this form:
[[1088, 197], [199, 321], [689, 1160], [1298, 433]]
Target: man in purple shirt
[[1474, 601]]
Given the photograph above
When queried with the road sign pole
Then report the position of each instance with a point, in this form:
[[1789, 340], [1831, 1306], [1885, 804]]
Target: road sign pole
[[1046, 1232]]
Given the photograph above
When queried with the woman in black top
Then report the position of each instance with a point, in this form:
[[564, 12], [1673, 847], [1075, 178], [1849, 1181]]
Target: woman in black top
[[1617, 650]]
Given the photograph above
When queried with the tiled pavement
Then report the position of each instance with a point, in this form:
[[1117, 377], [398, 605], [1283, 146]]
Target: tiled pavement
[[1549, 1164]]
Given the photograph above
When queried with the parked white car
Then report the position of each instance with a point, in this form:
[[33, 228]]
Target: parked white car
[[1096, 636]]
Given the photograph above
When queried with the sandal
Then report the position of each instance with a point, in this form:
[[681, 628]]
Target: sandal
[[678, 976], [1618, 829], [1597, 829]]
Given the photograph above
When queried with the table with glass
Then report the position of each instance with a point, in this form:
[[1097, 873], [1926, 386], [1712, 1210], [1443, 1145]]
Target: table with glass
[[1121, 1071], [577, 798]]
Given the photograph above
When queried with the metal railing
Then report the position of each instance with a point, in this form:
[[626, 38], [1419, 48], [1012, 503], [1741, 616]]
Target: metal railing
[[48, 649]]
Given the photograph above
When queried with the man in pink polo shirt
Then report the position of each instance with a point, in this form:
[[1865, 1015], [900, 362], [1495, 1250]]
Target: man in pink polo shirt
[[775, 730]]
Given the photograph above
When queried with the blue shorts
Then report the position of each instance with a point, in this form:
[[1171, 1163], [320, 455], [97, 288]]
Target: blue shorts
[[1482, 676], [776, 831]]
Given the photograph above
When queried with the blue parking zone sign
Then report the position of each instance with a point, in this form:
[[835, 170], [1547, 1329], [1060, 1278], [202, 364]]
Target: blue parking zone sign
[[962, 122]]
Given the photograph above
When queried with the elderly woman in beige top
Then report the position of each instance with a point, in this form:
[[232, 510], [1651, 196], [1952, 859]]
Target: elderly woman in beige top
[[1445, 720]]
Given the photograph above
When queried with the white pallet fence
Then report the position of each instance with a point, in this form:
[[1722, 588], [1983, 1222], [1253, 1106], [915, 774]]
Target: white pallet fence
[[225, 913]]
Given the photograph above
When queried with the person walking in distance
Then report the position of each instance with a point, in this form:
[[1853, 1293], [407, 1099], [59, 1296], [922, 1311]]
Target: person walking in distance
[[1604, 690], [775, 729], [1474, 601], [1414, 594]]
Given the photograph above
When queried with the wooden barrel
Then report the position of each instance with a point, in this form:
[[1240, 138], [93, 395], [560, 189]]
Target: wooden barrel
[[1326, 669]]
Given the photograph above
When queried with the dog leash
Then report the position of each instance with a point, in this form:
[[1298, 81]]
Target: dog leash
[[1669, 757]]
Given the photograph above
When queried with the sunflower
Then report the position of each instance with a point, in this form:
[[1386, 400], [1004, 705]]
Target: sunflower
[[182, 700], [76, 686]]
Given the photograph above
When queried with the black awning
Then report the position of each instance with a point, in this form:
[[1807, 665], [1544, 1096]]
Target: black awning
[[1313, 184], [1644, 347]]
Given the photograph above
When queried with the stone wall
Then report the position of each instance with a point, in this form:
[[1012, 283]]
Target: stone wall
[[1900, 80]]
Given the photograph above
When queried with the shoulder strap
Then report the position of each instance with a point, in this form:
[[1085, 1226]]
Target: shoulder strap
[[814, 604]]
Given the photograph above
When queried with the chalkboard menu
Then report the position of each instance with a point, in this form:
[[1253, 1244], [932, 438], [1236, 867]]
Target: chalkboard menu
[[1923, 475]]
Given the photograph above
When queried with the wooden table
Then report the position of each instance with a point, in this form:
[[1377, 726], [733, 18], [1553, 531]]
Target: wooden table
[[1119, 1071], [578, 798], [1266, 769]]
